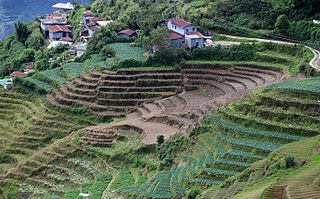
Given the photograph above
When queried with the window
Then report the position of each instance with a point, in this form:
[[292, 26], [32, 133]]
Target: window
[[194, 29], [187, 30]]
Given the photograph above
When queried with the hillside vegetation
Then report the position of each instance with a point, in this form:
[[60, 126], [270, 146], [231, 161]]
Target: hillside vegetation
[[285, 18]]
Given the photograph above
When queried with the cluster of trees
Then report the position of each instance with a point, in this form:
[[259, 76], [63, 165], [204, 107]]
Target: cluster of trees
[[20, 47]]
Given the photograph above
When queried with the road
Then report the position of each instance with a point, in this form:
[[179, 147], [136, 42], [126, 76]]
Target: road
[[315, 62]]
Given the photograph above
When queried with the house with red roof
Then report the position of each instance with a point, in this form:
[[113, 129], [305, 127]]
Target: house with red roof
[[59, 33], [127, 34], [184, 33]]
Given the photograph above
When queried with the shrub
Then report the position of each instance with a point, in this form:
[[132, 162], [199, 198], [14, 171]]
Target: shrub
[[193, 193], [168, 57], [42, 64], [241, 52], [10, 190], [167, 149], [107, 51], [129, 63], [5, 158], [290, 162]]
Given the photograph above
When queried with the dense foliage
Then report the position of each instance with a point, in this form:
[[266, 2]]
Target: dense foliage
[[289, 18]]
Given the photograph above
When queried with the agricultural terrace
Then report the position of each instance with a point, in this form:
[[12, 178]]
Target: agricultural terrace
[[231, 140], [50, 79], [31, 133], [310, 85]]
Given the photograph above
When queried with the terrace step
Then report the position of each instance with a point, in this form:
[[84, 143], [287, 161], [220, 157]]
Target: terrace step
[[73, 96], [134, 95], [246, 84], [152, 109], [107, 114], [104, 108], [140, 89], [275, 192], [274, 74], [135, 77], [88, 78], [85, 85], [81, 91], [123, 102], [100, 143]]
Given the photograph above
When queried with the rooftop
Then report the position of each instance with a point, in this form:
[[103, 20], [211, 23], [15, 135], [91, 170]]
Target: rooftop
[[128, 32], [57, 28], [175, 36], [64, 6], [96, 19], [194, 35], [49, 21], [104, 23], [179, 22], [18, 74]]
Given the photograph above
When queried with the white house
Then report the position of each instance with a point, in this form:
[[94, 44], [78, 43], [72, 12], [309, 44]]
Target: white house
[[183, 32]]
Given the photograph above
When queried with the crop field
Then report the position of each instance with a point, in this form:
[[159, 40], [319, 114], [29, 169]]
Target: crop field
[[310, 85], [125, 51]]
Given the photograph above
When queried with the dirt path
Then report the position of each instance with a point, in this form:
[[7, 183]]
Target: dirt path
[[315, 62]]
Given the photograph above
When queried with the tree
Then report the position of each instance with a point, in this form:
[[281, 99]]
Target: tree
[[159, 38], [282, 24], [10, 189], [160, 140], [35, 40], [21, 31]]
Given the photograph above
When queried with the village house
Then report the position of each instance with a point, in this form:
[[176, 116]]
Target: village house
[[47, 22], [127, 34], [80, 49], [184, 33], [59, 33], [90, 24]]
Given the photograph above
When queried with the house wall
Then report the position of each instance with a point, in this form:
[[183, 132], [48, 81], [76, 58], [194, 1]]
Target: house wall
[[192, 43], [79, 53], [191, 28], [175, 28], [90, 32], [177, 43], [57, 35]]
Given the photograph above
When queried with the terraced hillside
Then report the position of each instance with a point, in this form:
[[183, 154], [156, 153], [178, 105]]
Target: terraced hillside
[[237, 136], [206, 90], [108, 93], [27, 127]]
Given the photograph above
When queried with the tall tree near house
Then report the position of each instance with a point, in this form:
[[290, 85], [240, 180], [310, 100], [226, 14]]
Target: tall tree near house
[[282, 24], [159, 38], [21, 31]]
